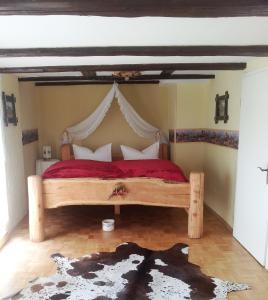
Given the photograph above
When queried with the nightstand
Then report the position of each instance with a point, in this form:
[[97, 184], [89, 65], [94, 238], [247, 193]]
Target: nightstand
[[42, 165]]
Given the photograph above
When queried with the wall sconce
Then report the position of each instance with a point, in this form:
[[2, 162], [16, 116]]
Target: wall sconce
[[221, 111]]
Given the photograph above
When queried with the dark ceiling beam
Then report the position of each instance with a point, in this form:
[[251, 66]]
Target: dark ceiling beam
[[167, 73], [66, 83], [137, 8], [129, 67], [112, 78], [253, 50]]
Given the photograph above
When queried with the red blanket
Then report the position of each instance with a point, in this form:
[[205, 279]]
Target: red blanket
[[152, 168]]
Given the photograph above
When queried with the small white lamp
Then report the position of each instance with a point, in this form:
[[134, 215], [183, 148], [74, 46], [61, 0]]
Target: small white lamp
[[46, 152]]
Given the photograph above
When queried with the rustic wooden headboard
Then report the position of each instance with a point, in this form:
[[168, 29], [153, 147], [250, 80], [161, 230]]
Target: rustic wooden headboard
[[68, 154]]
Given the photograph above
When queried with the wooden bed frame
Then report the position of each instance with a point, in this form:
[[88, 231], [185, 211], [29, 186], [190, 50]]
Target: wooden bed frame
[[52, 193]]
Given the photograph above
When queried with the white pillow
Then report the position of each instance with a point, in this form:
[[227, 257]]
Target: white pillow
[[151, 152], [103, 153]]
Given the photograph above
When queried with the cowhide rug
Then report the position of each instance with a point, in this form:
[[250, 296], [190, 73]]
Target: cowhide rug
[[131, 272]]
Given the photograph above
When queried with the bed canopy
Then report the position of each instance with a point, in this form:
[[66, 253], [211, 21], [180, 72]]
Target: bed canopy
[[85, 128]]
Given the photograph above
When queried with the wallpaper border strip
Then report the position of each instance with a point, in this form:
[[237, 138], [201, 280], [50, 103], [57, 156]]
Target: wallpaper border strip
[[222, 137]]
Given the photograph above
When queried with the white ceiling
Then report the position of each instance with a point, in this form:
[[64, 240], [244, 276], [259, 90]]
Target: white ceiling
[[49, 74], [110, 60], [80, 31], [66, 74]]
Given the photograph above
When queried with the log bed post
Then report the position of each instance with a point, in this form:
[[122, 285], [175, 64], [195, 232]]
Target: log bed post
[[195, 213], [36, 209]]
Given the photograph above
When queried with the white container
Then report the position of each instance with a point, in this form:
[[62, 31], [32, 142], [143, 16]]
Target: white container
[[47, 152], [108, 225]]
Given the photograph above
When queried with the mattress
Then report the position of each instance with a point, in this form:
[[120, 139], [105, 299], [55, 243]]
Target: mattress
[[151, 168]]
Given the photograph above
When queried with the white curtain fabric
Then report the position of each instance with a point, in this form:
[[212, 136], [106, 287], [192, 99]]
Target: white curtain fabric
[[83, 129]]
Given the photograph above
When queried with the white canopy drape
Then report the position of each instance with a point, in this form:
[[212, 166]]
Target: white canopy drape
[[83, 129]]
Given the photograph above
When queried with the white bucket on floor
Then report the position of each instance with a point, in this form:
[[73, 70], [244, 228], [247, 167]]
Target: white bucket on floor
[[108, 225]]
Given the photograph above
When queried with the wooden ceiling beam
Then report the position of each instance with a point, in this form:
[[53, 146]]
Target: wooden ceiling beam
[[252, 50], [137, 8], [112, 78], [128, 67], [167, 73]]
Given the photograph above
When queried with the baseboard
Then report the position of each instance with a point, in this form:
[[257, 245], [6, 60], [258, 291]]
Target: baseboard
[[212, 211], [4, 239]]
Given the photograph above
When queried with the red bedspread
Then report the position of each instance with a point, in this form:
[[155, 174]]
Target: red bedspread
[[152, 168]]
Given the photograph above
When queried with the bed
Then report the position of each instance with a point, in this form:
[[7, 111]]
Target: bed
[[55, 190]]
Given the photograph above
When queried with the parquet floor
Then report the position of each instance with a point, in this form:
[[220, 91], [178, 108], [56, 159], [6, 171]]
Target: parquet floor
[[76, 231]]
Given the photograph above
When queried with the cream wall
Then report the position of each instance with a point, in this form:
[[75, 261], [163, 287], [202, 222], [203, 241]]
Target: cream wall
[[220, 162], [191, 112], [29, 120], [195, 108], [14, 191], [257, 63], [62, 107]]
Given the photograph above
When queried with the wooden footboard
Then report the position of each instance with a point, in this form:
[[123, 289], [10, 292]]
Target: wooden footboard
[[51, 193]]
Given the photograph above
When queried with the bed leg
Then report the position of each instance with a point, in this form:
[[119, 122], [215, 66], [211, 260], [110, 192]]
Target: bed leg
[[195, 215], [117, 209], [36, 209]]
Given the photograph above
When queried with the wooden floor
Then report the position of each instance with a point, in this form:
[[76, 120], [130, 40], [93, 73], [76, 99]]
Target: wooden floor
[[76, 231]]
